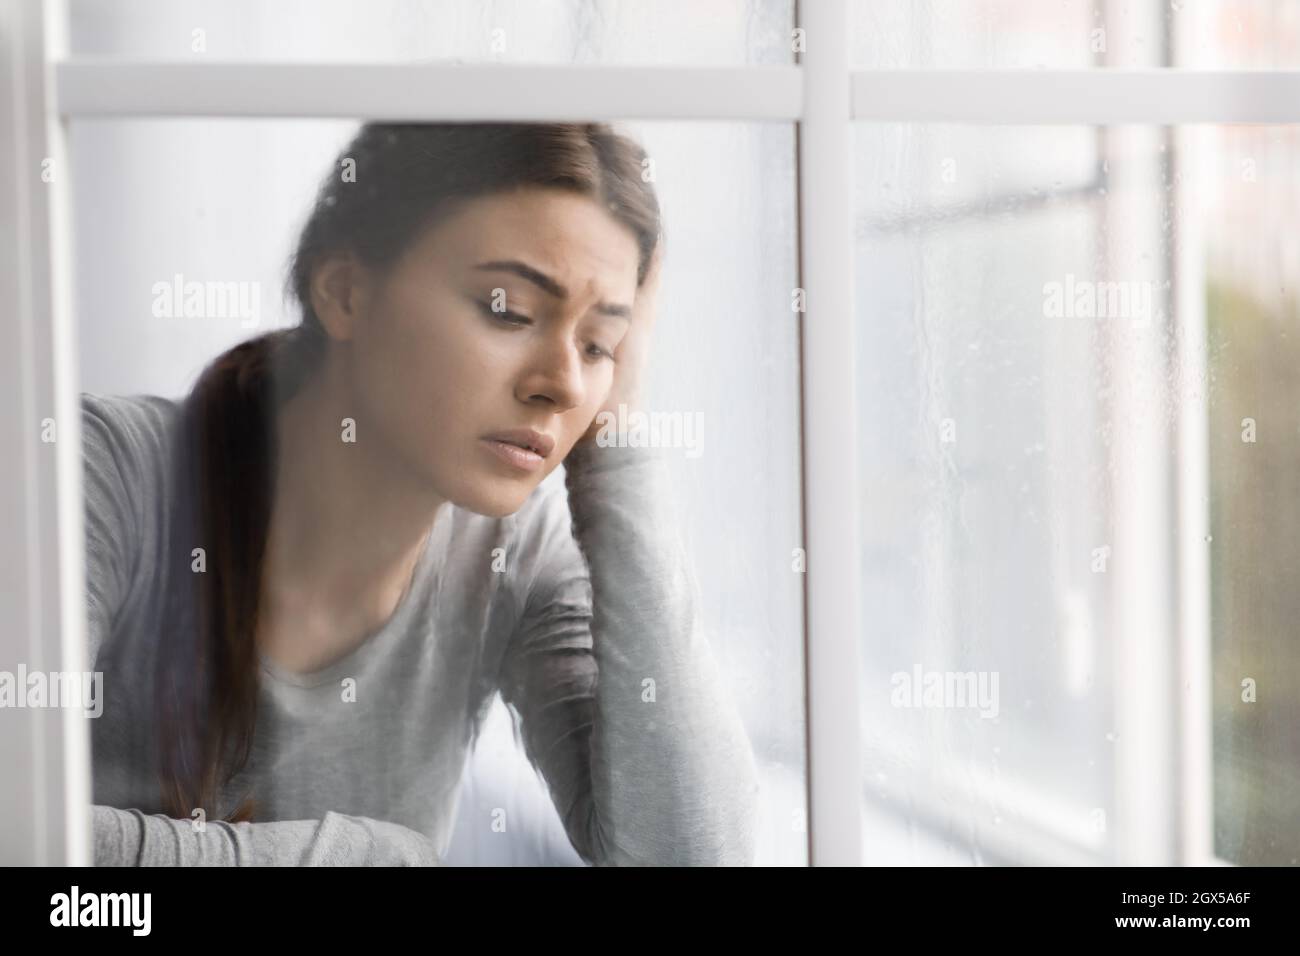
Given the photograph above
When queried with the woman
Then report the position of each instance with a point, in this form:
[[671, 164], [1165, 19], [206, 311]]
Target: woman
[[308, 579]]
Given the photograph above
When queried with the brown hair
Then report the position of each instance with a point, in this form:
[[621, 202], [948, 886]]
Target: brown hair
[[407, 178]]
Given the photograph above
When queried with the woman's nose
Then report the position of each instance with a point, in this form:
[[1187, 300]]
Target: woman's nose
[[555, 374]]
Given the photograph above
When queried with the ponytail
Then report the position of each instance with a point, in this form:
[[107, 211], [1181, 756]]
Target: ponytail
[[208, 659]]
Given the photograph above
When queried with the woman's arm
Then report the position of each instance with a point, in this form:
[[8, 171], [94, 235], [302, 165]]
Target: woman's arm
[[621, 704], [133, 838], [124, 444]]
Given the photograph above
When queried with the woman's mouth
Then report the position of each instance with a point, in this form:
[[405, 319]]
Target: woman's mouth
[[524, 448], [514, 455]]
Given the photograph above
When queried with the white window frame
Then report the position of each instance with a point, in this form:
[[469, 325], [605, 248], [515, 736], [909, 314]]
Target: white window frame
[[1164, 804]]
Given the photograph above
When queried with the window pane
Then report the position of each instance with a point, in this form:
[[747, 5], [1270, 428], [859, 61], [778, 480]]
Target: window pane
[[161, 201], [1249, 259], [984, 444], [1078, 414], [1237, 35], [624, 32], [1075, 34]]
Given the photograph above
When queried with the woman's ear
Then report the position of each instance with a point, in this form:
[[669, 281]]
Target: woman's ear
[[340, 294]]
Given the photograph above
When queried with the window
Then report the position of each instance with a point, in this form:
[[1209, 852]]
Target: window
[[221, 201], [1061, 335], [1015, 286]]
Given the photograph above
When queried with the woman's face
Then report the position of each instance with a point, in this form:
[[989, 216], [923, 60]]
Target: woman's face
[[436, 370]]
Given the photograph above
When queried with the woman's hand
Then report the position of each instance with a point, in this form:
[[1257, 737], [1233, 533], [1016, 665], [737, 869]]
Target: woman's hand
[[630, 355]]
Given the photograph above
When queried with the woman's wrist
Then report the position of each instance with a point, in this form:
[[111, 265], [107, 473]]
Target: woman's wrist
[[598, 455]]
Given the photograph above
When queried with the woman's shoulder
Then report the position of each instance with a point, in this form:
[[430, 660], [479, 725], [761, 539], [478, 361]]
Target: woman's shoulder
[[128, 427], [130, 418], [126, 442]]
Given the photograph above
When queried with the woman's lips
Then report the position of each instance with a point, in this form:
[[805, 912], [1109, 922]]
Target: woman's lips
[[514, 455]]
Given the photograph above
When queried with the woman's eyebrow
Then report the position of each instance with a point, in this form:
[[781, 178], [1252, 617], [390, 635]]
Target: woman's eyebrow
[[548, 285]]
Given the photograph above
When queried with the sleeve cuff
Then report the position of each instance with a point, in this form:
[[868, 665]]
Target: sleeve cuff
[[588, 459]]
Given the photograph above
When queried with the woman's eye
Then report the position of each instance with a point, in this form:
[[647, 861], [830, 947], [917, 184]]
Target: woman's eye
[[512, 318]]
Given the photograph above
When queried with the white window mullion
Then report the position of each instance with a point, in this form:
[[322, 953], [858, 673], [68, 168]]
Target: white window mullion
[[1105, 97], [831, 486], [428, 92], [1195, 661], [44, 816]]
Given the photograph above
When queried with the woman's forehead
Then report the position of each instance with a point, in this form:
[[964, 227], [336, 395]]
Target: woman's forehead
[[555, 233]]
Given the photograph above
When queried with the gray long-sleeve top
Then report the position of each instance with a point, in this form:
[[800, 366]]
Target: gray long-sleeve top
[[589, 631]]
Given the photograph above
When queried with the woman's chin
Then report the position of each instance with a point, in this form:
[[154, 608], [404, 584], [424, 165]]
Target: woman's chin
[[493, 503]]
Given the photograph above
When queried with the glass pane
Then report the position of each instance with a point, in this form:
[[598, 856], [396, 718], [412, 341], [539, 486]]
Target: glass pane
[[624, 32], [1075, 34], [1248, 259], [1078, 415], [1237, 35], [168, 205], [984, 456]]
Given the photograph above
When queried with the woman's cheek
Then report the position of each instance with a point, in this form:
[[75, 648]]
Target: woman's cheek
[[599, 393], [497, 349]]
